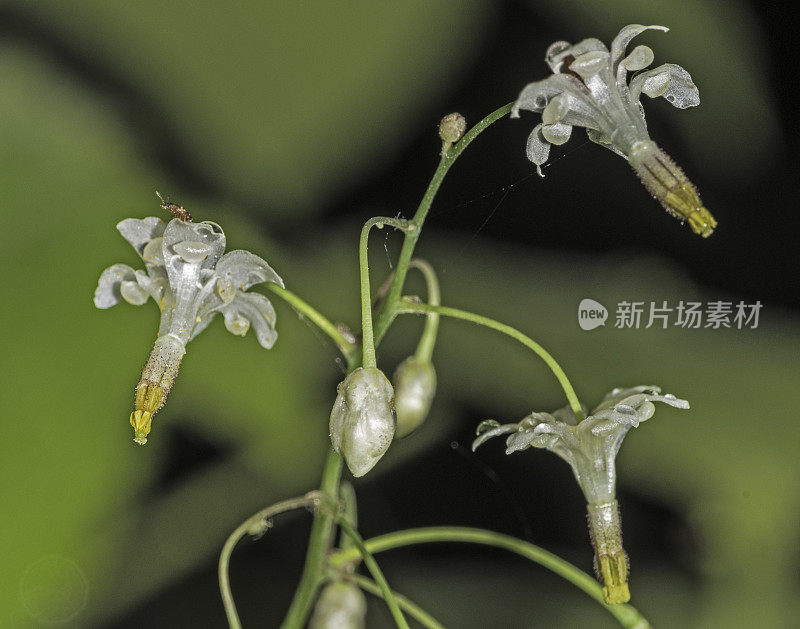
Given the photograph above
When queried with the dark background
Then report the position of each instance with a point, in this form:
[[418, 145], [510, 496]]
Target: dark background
[[709, 503]]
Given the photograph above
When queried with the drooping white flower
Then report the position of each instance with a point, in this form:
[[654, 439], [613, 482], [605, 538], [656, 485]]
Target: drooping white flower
[[590, 447], [590, 88], [191, 280]]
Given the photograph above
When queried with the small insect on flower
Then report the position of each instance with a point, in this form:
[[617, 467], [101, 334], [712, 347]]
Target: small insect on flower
[[176, 210], [191, 281], [589, 88]]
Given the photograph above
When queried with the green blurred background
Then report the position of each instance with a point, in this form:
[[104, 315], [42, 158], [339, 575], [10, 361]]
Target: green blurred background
[[290, 124]]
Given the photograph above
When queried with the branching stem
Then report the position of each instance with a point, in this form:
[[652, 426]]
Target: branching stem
[[627, 616], [253, 524], [411, 306]]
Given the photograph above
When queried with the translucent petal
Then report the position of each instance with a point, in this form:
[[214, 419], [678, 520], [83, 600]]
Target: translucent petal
[[154, 284], [133, 293], [544, 441], [581, 111], [624, 37], [140, 231], [537, 148], [237, 324], [192, 251], [486, 425], [258, 311], [494, 432], [680, 90], [225, 289], [210, 234], [655, 86], [598, 137], [603, 427], [107, 293], [590, 63], [556, 109], [557, 53], [639, 59], [152, 253], [557, 133], [672, 401], [554, 50], [519, 441], [245, 269]]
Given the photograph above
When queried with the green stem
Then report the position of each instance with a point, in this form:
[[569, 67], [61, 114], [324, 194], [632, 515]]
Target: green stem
[[313, 315], [389, 310], [255, 521], [368, 341], [410, 306], [349, 506], [414, 610], [427, 341], [375, 571], [318, 547], [626, 615]]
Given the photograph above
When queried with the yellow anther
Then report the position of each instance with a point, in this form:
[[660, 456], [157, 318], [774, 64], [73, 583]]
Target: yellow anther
[[141, 420]]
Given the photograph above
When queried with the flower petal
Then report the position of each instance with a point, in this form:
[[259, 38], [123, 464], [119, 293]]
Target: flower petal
[[680, 90], [519, 440], [245, 269], [556, 109], [639, 59], [133, 293], [581, 110], [494, 432], [558, 52], [108, 293], [557, 133], [153, 253], [251, 309], [598, 137], [589, 63], [155, 284], [208, 234], [140, 231], [624, 37], [537, 148]]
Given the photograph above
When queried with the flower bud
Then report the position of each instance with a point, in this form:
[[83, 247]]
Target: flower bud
[[340, 606], [415, 386], [362, 420], [451, 129]]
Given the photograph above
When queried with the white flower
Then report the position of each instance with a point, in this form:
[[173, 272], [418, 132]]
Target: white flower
[[590, 88], [362, 420], [590, 447], [191, 280]]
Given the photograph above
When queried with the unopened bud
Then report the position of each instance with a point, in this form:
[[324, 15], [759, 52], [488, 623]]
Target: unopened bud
[[340, 606], [414, 388], [362, 420], [451, 129]]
